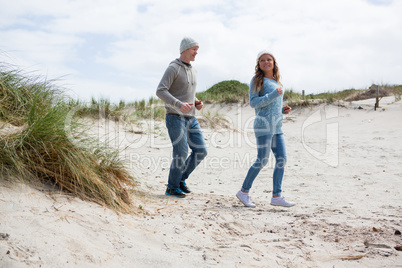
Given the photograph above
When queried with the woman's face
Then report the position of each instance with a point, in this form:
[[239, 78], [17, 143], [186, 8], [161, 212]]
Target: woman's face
[[266, 63]]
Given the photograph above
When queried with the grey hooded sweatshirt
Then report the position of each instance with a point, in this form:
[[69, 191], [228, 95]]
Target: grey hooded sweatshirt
[[178, 85]]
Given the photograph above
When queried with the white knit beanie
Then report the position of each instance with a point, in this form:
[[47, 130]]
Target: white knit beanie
[[186, 43], [263, 53]]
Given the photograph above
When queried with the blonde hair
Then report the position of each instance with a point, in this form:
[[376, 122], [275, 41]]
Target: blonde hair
[[259, 74]]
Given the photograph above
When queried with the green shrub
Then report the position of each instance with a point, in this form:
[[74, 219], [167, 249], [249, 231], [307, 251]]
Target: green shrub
[[226, 91]]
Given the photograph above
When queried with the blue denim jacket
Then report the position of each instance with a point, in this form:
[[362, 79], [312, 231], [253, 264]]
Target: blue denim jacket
[[268, 108]]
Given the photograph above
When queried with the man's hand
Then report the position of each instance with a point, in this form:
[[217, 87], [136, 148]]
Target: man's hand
[[185, 107], [287, 109], [199, 105]]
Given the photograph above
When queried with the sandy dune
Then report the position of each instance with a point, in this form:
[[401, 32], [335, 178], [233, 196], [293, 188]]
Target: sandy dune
[[344, 172]]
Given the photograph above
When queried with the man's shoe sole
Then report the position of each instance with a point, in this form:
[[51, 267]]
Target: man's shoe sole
[[179, 196]]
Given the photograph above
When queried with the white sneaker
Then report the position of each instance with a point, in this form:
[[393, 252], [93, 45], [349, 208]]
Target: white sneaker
[[280, 201], [245, 199]]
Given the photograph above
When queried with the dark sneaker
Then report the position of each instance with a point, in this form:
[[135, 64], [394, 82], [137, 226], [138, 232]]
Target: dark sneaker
[[184, 187], [175, 192]]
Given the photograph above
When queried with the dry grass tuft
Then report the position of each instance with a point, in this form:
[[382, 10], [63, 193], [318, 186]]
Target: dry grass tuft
[[40, 144]]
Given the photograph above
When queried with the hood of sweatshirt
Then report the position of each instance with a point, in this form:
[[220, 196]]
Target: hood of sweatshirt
[[188, 69]]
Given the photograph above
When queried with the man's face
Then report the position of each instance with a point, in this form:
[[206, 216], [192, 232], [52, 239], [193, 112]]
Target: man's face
[[190, 53]]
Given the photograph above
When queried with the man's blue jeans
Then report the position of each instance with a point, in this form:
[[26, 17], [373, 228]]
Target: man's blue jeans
[[265, 144], [184, 132]]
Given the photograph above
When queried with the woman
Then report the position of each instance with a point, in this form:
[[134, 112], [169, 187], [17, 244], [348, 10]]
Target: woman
[[266, 97]]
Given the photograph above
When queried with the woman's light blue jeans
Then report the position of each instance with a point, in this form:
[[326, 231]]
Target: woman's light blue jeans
[[184, 132], [265, 144]]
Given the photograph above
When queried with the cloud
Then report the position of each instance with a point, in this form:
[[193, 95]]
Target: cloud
[[380, 2], [124, 48]]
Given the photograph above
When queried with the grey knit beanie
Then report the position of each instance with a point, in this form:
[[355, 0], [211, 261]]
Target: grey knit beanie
[[186, 43]]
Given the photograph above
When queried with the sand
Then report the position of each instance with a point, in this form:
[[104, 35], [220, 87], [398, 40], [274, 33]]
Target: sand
[[343, 172]]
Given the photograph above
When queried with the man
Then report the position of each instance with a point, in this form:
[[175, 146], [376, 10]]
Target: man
[[177, 90]]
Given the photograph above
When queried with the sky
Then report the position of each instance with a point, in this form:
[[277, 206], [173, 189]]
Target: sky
[[119, 49]]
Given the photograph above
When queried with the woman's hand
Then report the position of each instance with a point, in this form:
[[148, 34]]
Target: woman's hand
[[287, 109], [199, 105], [280, 91]]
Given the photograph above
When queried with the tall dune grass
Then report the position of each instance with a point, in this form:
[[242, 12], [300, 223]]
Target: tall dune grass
[[42, 150], [152, 109], [102, 108]]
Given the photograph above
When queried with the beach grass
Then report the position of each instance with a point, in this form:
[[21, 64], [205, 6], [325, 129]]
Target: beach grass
[[293, 98], [154, 109], [41, 142], [122, 112], [212, 120]]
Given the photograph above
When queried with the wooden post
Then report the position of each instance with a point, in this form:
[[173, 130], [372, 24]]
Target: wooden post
[[303, 94], [377, 105]]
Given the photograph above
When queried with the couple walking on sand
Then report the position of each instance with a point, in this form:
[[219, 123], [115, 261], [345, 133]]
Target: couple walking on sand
[[177, 89]]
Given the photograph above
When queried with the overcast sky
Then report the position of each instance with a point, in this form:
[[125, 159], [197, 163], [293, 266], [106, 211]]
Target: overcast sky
[[119, 49]]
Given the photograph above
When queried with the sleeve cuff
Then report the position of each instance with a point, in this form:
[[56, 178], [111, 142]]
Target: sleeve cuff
[[178, 104]]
